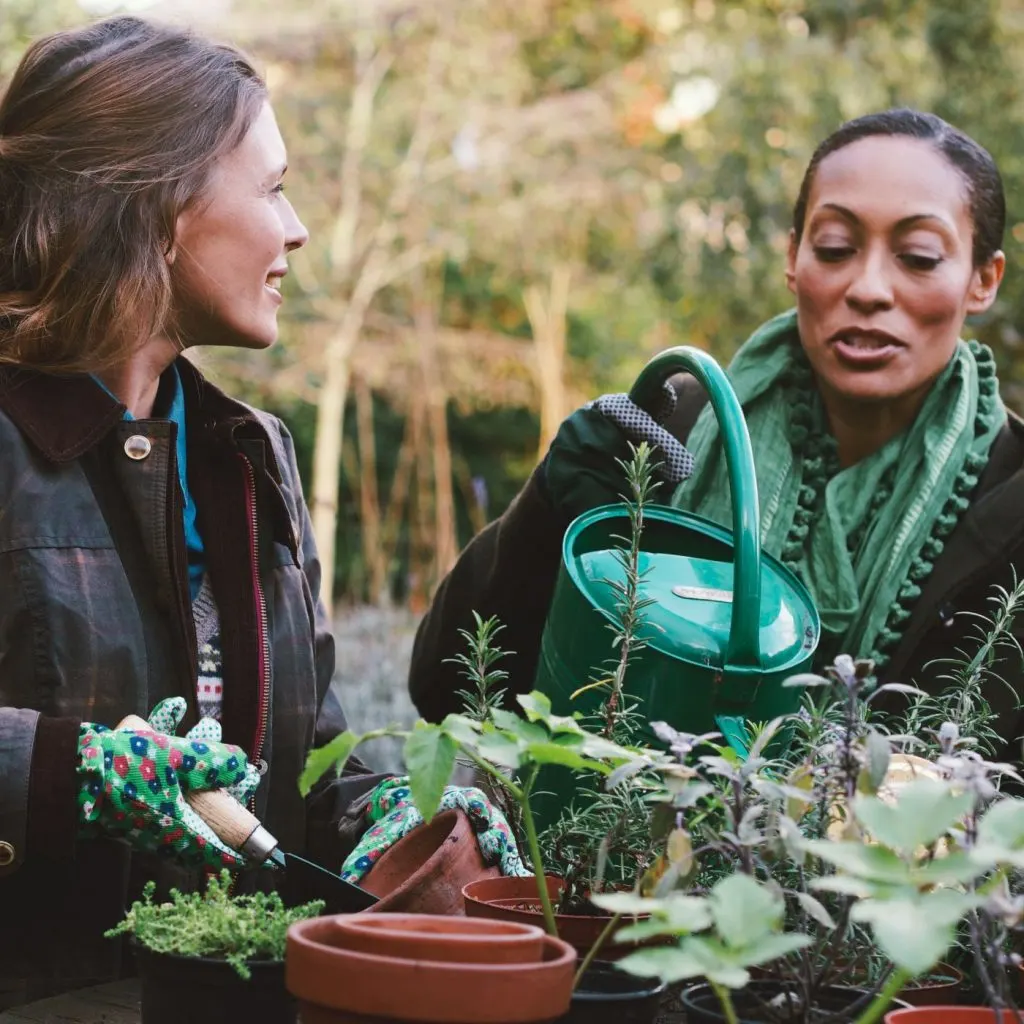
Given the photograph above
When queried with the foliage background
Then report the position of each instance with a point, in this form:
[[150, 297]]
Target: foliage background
[[540, 195]]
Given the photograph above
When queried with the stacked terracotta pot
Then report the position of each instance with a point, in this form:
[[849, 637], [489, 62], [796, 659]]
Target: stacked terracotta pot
[[356, 969]]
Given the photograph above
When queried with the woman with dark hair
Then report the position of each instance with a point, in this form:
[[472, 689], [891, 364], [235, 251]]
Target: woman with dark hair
[[155, 548], [889, 472]]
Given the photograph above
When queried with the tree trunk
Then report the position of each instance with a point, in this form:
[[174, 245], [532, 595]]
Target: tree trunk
[[547, 321], [445, 543], [369, 503]]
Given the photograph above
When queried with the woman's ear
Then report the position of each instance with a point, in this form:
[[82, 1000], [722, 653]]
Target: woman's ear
[[794, 245], [985, 283]]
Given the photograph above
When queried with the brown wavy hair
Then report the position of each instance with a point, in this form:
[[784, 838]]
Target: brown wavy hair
[[107, 133]]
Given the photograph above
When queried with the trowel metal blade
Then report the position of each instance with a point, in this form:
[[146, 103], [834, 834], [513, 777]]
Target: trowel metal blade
[[309, 881]]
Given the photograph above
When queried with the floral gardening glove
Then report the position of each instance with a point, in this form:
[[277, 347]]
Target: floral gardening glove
[[394, 815], [133, 784]]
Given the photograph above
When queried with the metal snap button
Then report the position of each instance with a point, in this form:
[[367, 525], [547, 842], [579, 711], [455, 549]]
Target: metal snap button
[[6, 854], [262, 766], [137, 447]]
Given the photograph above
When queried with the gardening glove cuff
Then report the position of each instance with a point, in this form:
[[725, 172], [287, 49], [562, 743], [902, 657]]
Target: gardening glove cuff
[[132, 785], [393, 815], [168, 715]]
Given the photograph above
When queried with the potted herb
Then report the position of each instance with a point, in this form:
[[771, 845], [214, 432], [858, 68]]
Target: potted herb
[[798, 867], [226, 953]]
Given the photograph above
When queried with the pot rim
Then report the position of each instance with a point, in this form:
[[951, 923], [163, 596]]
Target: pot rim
[[139, 947], [533, 902], [565, 953], [479, 929]]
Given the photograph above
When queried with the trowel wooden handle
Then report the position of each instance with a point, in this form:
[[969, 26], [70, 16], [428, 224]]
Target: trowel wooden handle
[[230, 821]]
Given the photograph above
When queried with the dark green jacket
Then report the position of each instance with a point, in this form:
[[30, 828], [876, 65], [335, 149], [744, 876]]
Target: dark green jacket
[[96, 624], [509, 570]]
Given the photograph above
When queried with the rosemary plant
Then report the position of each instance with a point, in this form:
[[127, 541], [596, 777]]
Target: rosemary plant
[[477, 664], [604, 838], [962, 701]]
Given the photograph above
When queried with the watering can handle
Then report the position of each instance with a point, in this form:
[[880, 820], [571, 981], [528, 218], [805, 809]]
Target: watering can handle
[[744, 650]]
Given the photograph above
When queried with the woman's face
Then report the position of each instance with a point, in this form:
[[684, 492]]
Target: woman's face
[[230, 249], [883, 274]]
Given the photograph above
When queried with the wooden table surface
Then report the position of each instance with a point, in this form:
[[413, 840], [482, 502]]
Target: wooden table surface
[[118, 1003], [114, 1003]]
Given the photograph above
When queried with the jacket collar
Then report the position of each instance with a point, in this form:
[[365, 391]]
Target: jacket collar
[[64, 416]]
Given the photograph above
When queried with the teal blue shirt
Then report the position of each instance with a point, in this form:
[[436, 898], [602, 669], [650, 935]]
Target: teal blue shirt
[[193, 542]]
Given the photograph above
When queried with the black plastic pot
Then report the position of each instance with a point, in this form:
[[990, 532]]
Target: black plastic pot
[[207, 991], [609, 996], [702, 1005]]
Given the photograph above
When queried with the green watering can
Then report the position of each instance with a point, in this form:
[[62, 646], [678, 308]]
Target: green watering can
[[727, 623]]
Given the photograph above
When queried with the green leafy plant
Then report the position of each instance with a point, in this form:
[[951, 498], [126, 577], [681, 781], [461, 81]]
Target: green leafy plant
[[839, 864], [214, 924], [505, 742]]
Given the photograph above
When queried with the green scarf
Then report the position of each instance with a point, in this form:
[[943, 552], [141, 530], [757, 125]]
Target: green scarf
[[863, 538]]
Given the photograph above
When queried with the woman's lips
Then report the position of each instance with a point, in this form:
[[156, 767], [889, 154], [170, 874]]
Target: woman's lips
[[864, 351]]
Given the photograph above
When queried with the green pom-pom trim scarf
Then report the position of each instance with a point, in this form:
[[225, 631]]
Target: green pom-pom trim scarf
[[863, 538]]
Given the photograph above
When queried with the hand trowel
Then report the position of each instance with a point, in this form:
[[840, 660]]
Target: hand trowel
[[237, 828]]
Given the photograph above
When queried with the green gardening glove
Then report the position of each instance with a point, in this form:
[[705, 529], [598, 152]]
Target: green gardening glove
[[392, 815], [133, 785]]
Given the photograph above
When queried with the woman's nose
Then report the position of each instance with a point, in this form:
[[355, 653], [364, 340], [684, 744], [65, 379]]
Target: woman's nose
[[871, 287], [296, 235]]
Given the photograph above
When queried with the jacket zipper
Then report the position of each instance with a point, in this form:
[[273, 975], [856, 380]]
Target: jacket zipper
[[256, 757]]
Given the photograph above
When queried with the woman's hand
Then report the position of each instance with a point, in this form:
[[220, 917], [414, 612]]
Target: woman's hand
[[392, 815], [134, 781], [581, 469]]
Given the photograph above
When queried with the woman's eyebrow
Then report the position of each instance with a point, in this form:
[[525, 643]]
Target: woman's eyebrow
[[903, 224]]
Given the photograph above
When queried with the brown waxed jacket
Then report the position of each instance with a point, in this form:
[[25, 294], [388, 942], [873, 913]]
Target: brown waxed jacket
[[96, 624], [509, 570]]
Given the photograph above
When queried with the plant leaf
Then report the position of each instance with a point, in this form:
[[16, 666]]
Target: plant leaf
[[429, 758], [879, 753], [671, 964], [925, 810], [916, 932], [554, 753], [625, 771], [743, 910], [323, 759], [874, 863], [815, 909], [499, 748]]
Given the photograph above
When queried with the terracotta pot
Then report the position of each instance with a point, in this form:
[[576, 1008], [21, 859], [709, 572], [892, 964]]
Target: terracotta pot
[[516, 899], [950, 1015], [336, 984], [451, 939], [424, 872], [932, 991]]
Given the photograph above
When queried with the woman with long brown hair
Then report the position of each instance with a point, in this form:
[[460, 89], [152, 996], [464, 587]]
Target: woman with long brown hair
[[155, 548]]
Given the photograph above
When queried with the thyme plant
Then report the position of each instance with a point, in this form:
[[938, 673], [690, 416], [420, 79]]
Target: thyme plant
[[214, 924]]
